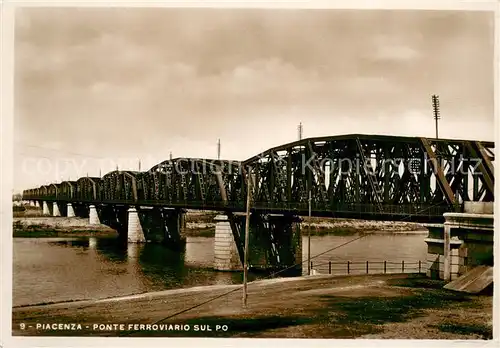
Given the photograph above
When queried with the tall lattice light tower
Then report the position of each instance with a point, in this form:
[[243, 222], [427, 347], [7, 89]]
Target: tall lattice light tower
[[437, 116], [300, 131]]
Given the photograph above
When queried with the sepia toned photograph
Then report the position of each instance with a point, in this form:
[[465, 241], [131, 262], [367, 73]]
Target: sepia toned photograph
[[253, 173]]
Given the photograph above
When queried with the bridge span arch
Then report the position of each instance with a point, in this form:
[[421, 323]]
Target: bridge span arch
[[357, 176]]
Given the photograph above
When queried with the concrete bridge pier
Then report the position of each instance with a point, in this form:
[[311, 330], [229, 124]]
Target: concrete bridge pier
[[135, 233], [59, 209], [226, 255], [37, 204], [464, 241], [70, 212], [47, 209], [55, 209], [93, 216], [275, 243]]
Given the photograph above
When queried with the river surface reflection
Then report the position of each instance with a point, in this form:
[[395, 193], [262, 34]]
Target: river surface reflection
[[60, 269]]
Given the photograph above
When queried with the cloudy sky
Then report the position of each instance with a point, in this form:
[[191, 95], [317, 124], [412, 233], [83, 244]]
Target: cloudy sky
[[99, 87]]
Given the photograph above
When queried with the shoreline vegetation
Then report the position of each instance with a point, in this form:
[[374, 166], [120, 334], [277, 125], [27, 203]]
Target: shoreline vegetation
[[29, 221]]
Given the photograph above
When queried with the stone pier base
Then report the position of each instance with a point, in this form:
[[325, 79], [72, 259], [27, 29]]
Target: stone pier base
[[134, 233], [70, 212], [55, 209], [46, 209], [442, 260], [226, 257], [93, 216], [37, 204]]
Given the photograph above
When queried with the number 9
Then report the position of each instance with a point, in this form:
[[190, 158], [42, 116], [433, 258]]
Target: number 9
[[23, 326]]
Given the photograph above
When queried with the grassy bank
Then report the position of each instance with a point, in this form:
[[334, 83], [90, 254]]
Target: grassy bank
[[375, 306]]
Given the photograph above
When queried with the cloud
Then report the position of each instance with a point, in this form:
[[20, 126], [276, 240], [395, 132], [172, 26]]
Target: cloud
[[113, 82], [391, 48], [395, 53]]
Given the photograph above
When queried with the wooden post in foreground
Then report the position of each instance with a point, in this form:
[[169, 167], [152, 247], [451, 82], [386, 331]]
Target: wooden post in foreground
[[309, 268]]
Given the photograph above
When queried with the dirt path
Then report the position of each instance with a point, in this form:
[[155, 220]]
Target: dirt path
[[375, 306]]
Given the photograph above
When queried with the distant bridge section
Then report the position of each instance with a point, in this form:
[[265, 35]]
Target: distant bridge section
[[351, 176]]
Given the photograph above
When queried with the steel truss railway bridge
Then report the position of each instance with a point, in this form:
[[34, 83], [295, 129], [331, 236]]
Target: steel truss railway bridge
[[349, 176]]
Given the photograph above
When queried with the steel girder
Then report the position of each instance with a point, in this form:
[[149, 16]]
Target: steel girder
[[88, 189], [374, 175], [119, 186], [67, 191], [358, 175], [194, 182]]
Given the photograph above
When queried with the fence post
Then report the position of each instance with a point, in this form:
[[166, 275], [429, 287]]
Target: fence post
[[366, 267], [348, 264], [403, 266], [385, 267], [419, 266], [329, 267]]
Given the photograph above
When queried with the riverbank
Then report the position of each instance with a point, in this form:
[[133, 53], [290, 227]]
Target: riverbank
[[402, 306], [318, 225], [30, 222], [48, 226]]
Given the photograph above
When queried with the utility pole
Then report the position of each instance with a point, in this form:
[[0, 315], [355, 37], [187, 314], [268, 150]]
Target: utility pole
[[247, 232], [437, 116], [170, 155], [300, 130], [139, 165], [309, 238], [218, 149]]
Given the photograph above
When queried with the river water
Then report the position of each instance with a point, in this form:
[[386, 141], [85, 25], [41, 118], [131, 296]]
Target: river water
[[60, 269]]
